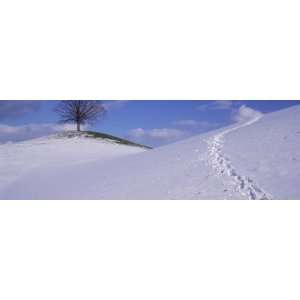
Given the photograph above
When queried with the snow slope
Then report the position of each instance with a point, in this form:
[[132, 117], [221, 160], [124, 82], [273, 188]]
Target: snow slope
[[19, 159], [257, 159], [268, 151]]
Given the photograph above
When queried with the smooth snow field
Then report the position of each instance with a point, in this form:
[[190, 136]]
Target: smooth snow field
[[256, 160]]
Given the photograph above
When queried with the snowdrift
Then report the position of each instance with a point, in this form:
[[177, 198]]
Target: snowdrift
[[257, 160]]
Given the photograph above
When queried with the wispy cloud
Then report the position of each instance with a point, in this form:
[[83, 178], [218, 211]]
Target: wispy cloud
[[181, 129], [216, 105], [194, 124], [115, 104], [165, 134], [30, 131], [13, 109], [186, 123]]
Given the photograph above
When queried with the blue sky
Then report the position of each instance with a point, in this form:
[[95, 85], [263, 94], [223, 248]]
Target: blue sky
[[154, 123]]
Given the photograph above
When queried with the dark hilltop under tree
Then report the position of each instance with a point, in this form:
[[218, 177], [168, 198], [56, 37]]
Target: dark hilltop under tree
[[80, 112]]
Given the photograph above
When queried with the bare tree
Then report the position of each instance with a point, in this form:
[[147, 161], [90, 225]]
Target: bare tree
[[80, 111]]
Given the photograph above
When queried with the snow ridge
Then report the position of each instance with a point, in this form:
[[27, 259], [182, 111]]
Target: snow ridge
[[223, 166]]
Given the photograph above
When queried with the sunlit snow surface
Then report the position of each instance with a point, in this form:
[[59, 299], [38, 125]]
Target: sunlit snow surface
[[254, 160]]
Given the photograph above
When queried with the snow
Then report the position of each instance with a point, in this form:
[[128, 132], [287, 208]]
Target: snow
[[256, 158], [269, 152], [66, 150], [225, 169]]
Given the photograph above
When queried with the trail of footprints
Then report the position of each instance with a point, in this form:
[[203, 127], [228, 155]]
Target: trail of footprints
[[222, 165]]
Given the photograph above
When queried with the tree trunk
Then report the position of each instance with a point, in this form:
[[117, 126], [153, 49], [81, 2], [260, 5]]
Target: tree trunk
[[78, 126]]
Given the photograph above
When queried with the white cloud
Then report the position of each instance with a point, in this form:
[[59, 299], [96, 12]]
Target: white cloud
[[223, 105], [193, 124], [19, 133], [216, 105], [188, 123], [137, 132], [183, 129], [115, 104], [245, 113], [164, 134]]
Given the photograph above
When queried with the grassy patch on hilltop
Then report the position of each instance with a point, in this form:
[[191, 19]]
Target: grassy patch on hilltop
[[118, 140]]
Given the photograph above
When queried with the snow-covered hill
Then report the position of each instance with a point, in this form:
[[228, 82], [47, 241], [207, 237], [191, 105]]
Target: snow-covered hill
[[64, 150], [257, 159]]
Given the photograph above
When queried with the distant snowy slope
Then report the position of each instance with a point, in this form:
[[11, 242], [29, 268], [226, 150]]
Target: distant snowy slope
[[256, 159]]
